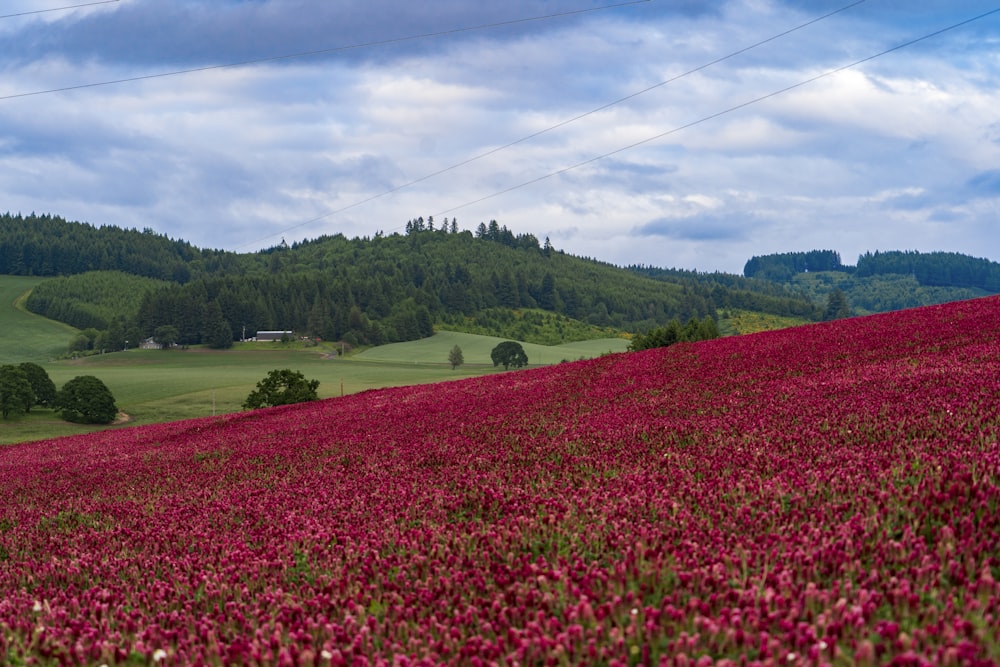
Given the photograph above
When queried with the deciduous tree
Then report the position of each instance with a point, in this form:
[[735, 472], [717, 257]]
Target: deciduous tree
[[166, 335], [41, 384], [281, 387], [16, 395], [86, 400], [509, 353]]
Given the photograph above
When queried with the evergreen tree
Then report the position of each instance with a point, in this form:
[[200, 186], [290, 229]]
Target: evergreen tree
[[836, 306], [218, 334], [673, 332], [547, 293], [455, 357]]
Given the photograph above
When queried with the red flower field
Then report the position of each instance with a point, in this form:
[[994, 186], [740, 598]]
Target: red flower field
[[827, 494]]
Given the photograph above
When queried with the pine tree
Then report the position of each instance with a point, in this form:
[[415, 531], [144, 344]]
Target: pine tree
[[455, 357], [836, 306]]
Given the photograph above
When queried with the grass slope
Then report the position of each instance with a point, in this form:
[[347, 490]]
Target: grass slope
[[154, 386], [476, 350], [28, 337]]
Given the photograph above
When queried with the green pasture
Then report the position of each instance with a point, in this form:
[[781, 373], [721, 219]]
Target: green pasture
[[26, 336], [476, 350], [153, 386]]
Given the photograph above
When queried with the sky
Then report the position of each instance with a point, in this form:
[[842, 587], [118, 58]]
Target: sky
[[669, 133]]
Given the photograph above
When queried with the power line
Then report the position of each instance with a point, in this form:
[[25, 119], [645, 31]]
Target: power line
[[558, 125], [718, 114], [335, 49], [58, 9]]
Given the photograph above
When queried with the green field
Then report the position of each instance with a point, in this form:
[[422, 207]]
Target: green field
[[26, 336], [476, 350], [152, 386]]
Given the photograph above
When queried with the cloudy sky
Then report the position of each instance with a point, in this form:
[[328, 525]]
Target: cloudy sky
[[674, 133]]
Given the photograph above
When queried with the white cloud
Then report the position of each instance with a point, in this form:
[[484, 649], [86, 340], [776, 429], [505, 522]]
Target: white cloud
[[894, 153]]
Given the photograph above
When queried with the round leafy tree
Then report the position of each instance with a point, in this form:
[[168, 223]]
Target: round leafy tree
[[41, 383], [166, 336], [16, 395], [509, 353], [86, 400], [281, 387]]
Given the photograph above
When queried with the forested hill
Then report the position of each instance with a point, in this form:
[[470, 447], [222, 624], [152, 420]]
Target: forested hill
[[939, 269], [881, 281], [363, 290], [46, 245], [942, 269]]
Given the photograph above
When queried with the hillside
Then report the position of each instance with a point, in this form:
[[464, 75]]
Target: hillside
[[363, 291], [27, 337], [123, 285], [881, 281], [826, 494]]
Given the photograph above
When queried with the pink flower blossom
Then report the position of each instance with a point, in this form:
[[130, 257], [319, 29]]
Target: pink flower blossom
[[819, 495]]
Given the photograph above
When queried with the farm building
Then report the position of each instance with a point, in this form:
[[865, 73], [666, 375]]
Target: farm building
[[272, 335], [150, 344]]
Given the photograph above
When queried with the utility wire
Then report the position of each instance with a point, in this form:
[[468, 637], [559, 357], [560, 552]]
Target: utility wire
[[558, 125], [335, 49], [713, 116], [58, 9]]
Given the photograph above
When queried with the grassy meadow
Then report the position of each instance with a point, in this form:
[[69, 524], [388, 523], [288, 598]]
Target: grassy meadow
[[26, 336], [154, 386], [476, 350]]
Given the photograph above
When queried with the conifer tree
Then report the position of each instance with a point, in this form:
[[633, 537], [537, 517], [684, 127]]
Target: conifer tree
[[455, 357]]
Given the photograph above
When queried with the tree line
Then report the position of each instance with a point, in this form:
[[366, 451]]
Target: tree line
[[934, 269], [85, 399], [675, 332], [931, 269], [782, 267], [47, 245]]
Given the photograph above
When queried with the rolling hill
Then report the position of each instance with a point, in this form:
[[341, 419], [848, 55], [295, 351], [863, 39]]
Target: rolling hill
[[363, 291], [881, 281], [27, 336], [825, 494]]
